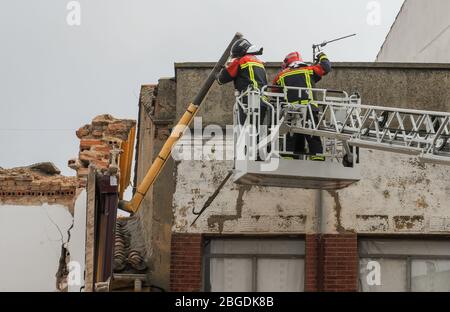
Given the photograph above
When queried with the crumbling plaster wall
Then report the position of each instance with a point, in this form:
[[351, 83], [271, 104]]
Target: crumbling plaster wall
[[395, 195], [238, 209]]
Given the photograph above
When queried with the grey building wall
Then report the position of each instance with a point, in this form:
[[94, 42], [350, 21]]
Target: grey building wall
[[418, 86], [421, 33]]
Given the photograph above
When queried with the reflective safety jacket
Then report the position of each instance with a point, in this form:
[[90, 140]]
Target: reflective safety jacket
[[302, 76], [244, 71]]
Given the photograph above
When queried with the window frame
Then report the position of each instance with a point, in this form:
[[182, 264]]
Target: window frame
[[407, 258], [207, 256]]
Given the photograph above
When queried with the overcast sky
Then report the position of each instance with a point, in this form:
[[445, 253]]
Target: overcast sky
[[55, 77]]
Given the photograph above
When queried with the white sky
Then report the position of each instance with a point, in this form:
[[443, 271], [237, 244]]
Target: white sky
[[55, 78]]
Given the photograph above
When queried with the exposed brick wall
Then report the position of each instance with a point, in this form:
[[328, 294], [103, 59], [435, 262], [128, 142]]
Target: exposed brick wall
[[186, 262], [312, 260], [97, 142], [35, 185], [340, 262], [331, 262]]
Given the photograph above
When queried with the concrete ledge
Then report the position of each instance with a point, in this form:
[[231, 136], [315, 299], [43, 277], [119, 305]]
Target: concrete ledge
[[296, 174], [441, 66]]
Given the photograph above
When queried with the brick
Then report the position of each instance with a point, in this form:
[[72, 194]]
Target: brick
[[100, 163], [23, 188], [117, 127], [97, 133], [82, 132], [88, 143], [89, 155], [83, 171], [102, 148]]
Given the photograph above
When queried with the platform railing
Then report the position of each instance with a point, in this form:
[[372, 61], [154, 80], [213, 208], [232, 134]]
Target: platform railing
[[266, 139], [343, 123], [421, 133]]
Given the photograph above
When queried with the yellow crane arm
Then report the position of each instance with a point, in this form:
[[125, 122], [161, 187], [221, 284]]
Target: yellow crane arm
[[157, 165]]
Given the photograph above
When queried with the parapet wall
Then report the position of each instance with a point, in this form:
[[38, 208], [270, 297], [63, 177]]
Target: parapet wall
[[418, 86]]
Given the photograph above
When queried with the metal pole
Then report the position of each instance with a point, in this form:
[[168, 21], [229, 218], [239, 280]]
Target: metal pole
[[327, 42], [320, 45]]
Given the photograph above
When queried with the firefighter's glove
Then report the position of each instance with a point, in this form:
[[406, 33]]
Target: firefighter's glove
[[320, 56]]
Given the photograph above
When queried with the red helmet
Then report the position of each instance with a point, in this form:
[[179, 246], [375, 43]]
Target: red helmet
[[290, 58]]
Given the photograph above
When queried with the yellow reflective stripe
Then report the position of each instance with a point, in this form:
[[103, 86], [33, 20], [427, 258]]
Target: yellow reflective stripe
[[252, 76], [311, 95], [251, 72], [307, 73], [296, 72], [303, 102], [308, 85], [323, 57], [252, 64]]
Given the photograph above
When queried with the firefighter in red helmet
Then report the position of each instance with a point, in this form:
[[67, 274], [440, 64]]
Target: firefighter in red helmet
[[296, 73], [245, 70]]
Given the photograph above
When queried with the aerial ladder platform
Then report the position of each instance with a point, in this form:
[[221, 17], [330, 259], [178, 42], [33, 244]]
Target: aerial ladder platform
[[261, 148]]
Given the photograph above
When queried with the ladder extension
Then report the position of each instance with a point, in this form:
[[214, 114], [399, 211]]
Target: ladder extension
[[420, 133]]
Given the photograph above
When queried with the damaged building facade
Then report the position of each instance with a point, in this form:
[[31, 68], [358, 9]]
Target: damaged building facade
[[388, 232], [71, 224], [395, 220], [114, 259]]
